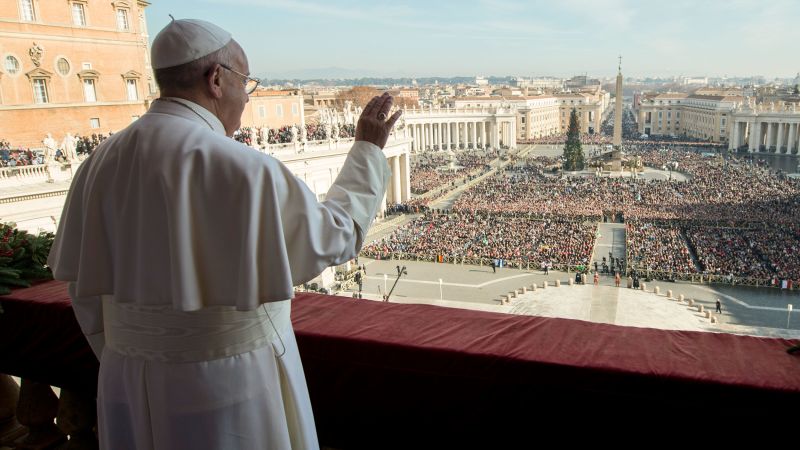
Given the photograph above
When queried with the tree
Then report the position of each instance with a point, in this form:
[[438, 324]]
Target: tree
[[573, 152], [359, 95], [796, 89]]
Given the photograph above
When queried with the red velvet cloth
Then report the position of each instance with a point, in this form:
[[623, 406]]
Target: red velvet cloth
[[382, 369], [429, 371], [40, 339]]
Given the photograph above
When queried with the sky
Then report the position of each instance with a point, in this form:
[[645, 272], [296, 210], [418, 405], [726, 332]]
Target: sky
[[354, 38]]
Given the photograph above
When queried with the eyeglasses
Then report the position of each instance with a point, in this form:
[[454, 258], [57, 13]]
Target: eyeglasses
[[250, 83]]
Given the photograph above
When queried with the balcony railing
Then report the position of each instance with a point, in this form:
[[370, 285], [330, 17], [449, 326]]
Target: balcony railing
[[384, 375]]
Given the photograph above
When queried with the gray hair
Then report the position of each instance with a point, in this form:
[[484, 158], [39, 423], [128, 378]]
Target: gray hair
[[186, 76]]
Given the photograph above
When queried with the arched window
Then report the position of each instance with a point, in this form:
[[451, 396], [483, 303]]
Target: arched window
[[11, 65]]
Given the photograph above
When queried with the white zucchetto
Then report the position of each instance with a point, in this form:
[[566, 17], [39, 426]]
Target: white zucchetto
[[186, 40]]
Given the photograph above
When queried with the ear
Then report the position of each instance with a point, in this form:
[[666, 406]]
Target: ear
[[213, 81]]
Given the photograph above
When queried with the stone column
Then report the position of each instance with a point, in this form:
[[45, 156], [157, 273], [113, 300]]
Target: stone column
[[792, 143], [474, 134], [382, 212], [405, 178], [396, 184], [770, 140], [732, 143], [456, 139], [779, 137], [755, 131]]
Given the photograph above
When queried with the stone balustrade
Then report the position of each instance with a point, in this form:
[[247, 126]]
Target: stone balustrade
[[35, 174]]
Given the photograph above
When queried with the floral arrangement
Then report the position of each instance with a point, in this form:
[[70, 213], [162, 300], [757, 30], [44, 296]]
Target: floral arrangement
[[23, 257]]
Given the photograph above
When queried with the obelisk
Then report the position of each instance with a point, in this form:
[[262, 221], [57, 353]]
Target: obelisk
[[618, 110]]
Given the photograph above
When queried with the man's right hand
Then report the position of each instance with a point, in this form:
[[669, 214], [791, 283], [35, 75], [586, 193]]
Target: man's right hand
[[373, 125]]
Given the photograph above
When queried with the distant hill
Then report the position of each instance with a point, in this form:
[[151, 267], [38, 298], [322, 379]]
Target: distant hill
[[336, 76]]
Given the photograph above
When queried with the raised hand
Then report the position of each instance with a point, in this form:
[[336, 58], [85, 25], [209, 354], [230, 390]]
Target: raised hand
[[373, 125]]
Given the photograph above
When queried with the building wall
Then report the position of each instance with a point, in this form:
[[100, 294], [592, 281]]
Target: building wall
[[97, 50], [700, 116], [541, 116], [274, 109]]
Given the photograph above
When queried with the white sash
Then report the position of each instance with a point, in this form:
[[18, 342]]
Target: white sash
[[161, 333]]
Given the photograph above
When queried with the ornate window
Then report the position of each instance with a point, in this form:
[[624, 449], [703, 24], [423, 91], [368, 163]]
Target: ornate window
[[122, 10], [78, 14], [89, 81], [26, 10], [89, 91], [131, 89], [131, 79], [122, 20], [11, 65], [40, 79], [40, 90]]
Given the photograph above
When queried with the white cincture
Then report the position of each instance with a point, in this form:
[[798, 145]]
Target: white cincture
[[161, 333]]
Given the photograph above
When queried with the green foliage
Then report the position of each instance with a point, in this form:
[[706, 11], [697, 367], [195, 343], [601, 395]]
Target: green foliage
[[23, 257], [573, 151]]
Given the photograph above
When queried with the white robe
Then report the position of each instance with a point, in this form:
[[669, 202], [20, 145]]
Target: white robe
[[170, 211]]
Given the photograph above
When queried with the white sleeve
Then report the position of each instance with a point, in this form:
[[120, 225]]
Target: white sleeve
[[321, 234], [361, 185], [89, 312]]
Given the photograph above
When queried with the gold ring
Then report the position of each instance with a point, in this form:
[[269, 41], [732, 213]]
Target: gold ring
[[382, 115]]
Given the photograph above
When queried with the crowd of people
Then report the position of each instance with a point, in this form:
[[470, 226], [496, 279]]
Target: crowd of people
[[261, 136], [653, 247], [13, 157], [519, 241], [760, 252], [717, 190], [711, 223], [430, 170], [16, 156], [561, 138]]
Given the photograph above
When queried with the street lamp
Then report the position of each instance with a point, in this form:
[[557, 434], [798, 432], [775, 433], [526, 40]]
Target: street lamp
[[788, 315], [400, 272], [440, 290], [385, 281]]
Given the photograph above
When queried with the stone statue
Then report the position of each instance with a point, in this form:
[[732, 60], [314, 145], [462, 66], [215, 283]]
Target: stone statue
[[349, 119], [293, 131], [50, 147], [335, 132], [326, 129], [36, 52], [68, 148]]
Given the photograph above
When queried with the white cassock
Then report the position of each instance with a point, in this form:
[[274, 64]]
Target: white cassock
[[181, 247]]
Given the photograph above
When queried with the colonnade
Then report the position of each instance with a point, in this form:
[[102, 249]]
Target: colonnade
[[774, 132], [437, 134]]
